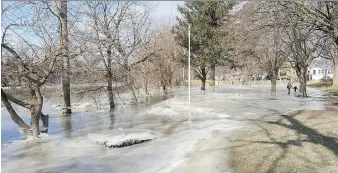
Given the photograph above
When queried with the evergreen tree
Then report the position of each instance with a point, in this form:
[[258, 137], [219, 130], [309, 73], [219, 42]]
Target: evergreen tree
[[208, 31]]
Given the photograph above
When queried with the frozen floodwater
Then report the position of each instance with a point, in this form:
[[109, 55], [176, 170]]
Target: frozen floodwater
[[178, 128]]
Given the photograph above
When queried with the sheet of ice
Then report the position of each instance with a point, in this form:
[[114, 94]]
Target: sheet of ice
[[67, 148]]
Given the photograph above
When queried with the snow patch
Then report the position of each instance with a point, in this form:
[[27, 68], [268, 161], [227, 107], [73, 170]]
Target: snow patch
[[121, 138]]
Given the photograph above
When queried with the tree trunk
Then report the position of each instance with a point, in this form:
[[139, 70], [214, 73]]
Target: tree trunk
[[204, 77], [14, 116], [36, 112], [335, 74], [45, 122], [130, 85], [146, 87], [35, 123], [110, 90], [273, 79], [109, 77], [66, 110], [302, 82], [335, 67], [146, 83], [133, 92], [335, 37], [146, 80], [212, 77], [164, 88], [279, 78], [203, 84]]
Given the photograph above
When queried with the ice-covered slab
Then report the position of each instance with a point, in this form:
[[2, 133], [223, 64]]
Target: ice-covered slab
[[121, 138]]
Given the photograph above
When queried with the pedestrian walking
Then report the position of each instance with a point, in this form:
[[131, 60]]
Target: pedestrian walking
[[295, 89], [289, 86]]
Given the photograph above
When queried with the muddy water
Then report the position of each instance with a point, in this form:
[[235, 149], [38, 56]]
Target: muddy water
[[177, 125]]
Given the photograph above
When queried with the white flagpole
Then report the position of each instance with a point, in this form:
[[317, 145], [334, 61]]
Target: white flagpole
[[189, 61]]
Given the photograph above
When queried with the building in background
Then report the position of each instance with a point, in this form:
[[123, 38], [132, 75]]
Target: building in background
[[320, 69], [318, 73]]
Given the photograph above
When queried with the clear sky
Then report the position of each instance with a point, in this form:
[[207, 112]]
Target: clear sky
[[166, 11]]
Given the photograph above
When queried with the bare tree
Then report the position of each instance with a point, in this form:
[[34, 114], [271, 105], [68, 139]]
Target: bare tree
[[59, 9], [120, 30], [34, 61], [272, 53], [159, 69], [62, 15], [104, 19], [262, 23], [323, 16], [304, 44], [133, 35], [165, 61]]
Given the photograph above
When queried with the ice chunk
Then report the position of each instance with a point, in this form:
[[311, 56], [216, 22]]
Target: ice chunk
[[121, 138]]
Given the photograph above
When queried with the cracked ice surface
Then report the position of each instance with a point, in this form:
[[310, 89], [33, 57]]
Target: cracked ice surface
[[176, 125]]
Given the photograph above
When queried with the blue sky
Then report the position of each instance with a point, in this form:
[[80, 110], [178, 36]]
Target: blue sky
[[166, 11]]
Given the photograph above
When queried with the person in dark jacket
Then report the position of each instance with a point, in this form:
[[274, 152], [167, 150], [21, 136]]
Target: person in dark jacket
[[289, 86], [295, 89]]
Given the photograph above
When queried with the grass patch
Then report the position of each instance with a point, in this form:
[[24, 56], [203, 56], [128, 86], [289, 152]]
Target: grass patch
[[304, 142], [326, 85], [332, 91], [322, 84]]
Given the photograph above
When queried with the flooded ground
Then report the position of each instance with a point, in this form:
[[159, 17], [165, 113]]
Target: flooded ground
[[178, 126]]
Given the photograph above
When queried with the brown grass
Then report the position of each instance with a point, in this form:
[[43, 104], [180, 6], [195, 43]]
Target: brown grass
[[303, 142]]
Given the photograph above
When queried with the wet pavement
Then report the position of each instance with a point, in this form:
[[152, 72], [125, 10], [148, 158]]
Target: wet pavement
[[178, 127]]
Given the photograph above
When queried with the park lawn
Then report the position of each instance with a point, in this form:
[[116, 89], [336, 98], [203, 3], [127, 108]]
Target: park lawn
[[332, 92], [302, 142]]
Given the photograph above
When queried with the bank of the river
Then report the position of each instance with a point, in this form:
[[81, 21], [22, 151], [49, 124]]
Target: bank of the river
[[302, 141]]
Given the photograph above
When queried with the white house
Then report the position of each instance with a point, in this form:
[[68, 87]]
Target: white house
[[320, 70]]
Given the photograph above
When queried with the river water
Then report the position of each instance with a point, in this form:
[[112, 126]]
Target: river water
[[177, 125]]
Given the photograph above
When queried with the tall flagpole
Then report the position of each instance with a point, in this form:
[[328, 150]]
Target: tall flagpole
[[189, 61]]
